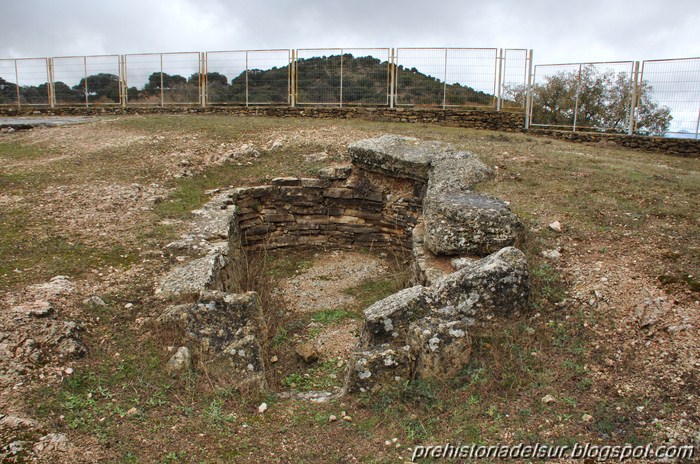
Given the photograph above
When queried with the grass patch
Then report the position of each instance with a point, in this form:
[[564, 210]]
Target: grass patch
[[370, 291], [325, 376], [19, 151], [29, 246], [330, 316]]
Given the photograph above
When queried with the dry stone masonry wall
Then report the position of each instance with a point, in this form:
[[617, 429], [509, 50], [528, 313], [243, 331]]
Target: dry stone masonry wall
[[399, 193], [474, 119]]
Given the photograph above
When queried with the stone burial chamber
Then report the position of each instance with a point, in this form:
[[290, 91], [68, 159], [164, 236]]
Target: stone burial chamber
[[399, 194]]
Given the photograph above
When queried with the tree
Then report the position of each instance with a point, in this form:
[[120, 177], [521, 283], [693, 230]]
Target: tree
[[594, 100], [102, 87], [213, 79], [8, 92], [169, 82]]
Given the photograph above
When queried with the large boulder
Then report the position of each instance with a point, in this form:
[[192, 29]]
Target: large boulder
[[441, 348], [497, 285], [377, 367], [224, 327], [468, 223]]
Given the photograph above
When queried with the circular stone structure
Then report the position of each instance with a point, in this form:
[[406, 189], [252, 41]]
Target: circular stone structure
[[399, 193]]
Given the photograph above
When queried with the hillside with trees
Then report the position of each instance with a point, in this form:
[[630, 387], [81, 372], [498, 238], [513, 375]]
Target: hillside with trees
[[364, 81]]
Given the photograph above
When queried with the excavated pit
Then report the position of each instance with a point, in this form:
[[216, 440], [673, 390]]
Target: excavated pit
[[378, 211]]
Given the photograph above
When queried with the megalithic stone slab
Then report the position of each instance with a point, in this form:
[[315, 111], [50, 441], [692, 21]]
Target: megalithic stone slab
[[468, 223]]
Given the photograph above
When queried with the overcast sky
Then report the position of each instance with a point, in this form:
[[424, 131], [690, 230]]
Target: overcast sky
[[558, 31]]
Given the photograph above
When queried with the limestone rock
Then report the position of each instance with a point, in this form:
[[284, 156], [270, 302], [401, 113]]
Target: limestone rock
[[15, 422], [57, 286], [241, 361], [306, 352], [66, 336], [181, 361], [425, 329], [52, 442], [224, 327], [395, 155], [461, 263], [216, 320], [335, 173], [441, 348], [555, 226], [37, 309], [468, 223], [458, 171], [193, 277], [378, 366], [496, 285], [425, 264], [389, 319], [551, 254]]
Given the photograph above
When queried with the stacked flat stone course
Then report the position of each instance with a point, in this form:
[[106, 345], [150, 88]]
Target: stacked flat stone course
[[340, 208]]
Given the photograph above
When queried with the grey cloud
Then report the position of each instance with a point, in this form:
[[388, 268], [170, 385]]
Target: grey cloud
[[558, 31]]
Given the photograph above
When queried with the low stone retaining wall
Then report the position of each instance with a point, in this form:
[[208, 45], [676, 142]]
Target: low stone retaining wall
[[467, 118], [680, 147], [476, 119]]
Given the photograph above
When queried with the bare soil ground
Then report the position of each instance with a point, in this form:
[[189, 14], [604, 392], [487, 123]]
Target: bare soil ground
[[612, 335]]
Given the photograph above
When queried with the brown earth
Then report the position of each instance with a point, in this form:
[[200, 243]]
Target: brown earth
[[613, 333]]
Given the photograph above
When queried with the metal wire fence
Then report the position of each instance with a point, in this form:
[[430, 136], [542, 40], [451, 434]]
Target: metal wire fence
[[342, 76], [85, 80], [662, 97], [652, 97], [446, 76], [162, 78], [514, 73], [675, 85], [576, 96]]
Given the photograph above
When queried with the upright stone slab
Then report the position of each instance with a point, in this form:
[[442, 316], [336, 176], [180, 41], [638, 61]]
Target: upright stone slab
[[468, 223]]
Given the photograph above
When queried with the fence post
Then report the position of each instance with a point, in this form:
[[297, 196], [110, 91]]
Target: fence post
[[49, 83], [162, 100], [87, 98], [123, 84], [578, 92], [246, 78], [528, 95], [697, 124], [444, 84], [340, 101], [392, 77], [633, 102], [501, 79], [201, 86], [19, 105], [290, 78]]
